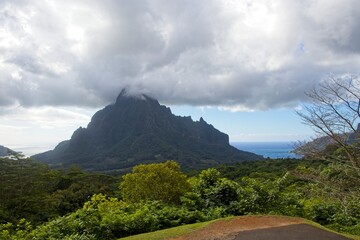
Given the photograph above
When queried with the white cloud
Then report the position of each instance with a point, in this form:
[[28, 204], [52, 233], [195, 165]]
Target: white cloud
[[33, 130], [45, 117], [236, 54]]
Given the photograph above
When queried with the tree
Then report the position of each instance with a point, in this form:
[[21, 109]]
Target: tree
[[157, 181], [334, 112], [24, 188], [214, 190]]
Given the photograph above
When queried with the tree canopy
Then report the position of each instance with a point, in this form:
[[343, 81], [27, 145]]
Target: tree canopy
[[157, 181]]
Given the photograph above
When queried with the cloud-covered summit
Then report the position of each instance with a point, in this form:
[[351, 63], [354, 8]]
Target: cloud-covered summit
[[235, 54]]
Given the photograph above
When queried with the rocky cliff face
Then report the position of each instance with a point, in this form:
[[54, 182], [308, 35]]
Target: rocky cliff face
[[138, 130]]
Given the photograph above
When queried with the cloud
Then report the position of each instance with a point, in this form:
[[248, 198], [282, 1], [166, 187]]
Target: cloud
[[45, 117], [240, 55], [37, 129]]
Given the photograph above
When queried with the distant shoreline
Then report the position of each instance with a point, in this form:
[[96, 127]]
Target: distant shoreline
[[30, 151], [267, 149], [273, 150]]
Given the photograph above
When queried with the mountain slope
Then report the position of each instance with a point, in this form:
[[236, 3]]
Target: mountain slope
[[138, 130], [4, 151]]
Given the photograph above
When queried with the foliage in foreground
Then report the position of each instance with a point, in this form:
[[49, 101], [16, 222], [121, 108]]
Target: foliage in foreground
[[110, 218], [210, 196]]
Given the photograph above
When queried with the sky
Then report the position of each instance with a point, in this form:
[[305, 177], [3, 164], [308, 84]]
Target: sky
[[242, 65]]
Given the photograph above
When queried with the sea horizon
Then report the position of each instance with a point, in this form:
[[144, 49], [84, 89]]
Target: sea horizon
[[274, 150]]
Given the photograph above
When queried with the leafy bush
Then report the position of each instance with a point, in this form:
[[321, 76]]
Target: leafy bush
[[158, 181], [9, 231], [213, 191], [110, 218], [321, 211]]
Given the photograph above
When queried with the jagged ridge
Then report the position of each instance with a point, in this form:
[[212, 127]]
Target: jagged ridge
[[138, 130]]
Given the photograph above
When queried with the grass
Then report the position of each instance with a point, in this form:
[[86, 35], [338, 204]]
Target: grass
[[182, 230], [170, 232], [354, 237]]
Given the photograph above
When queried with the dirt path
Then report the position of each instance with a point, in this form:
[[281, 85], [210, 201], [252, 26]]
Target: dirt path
[[229, 229], [260, 228]]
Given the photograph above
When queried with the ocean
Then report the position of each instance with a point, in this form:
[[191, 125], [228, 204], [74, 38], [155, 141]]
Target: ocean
[[272, 150], [267, 149]]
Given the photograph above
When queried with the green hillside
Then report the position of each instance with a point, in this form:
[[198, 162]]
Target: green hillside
[[40, 203]]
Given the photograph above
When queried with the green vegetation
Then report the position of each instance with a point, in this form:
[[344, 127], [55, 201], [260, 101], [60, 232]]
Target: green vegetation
[[274, 187], [32, 191], [271, 168], [162, 181]]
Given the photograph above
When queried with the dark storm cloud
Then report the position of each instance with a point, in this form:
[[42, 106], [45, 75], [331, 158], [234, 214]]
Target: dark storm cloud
[[235, 54]]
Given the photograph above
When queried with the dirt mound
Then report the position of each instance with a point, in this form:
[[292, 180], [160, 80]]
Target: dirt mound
[[229, 229]]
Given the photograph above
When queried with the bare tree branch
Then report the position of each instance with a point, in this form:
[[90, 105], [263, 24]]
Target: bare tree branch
[[335, 112]]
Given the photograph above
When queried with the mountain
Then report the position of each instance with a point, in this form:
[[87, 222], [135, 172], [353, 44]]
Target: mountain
[[138, 130], [4, 151], [321, 143]]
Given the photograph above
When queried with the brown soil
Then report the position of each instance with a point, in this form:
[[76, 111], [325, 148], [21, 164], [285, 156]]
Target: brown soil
[[229, 229]]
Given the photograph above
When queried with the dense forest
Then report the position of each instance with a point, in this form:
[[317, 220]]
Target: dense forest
[[40, 203]]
